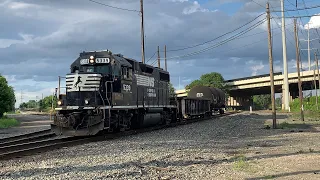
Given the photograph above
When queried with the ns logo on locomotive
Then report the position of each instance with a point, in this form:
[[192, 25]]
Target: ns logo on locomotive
[[106, 91]]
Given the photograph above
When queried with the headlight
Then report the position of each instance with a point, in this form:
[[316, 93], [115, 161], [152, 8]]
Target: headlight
[[91, 59], [86, 101], [59, 103]]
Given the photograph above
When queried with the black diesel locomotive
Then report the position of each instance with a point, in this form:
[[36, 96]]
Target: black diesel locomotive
[[106, 91]]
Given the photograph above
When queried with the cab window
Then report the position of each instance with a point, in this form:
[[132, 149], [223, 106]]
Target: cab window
[[126, 72], [103, 69], [90, 69]]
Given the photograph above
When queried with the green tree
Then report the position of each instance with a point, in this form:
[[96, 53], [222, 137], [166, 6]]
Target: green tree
[[171, 89], [262, 101], [46, 103], [7, 97], [194, 83], [213, 79]]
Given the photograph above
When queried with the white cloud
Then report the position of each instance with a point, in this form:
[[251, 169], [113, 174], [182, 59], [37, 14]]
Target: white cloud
[[21, 5], [195, 7], [255, 66], [314, 22]]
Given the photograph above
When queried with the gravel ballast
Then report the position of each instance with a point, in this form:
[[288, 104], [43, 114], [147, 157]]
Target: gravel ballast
[[232, 147]]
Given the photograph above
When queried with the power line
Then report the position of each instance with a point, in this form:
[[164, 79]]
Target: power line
[[243, 46], [124, 9], [297, 16], [151, 56], [297, 9], [222, 42], [216, 37]]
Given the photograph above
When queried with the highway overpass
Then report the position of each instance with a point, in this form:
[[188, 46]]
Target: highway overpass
[[242, 89]]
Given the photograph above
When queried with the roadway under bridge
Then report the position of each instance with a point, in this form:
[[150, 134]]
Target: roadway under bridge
[[242, 89]]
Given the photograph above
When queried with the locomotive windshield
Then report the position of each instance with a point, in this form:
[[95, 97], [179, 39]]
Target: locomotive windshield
[[103, 69]]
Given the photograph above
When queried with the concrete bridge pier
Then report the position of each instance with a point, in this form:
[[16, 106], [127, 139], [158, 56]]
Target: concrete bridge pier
[[239, 103]]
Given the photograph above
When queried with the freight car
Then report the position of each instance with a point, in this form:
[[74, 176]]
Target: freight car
[[217, 96], [109, 92]]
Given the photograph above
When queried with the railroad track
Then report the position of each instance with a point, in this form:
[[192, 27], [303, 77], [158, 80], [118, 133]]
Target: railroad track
[[28, 148], [39, 135]]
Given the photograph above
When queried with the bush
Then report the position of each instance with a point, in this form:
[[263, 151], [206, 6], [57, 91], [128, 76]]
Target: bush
[[6, 122], [309, 104]]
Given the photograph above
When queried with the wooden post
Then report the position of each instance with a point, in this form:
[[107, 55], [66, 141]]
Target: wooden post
[[59, 87], [274, 120], [298, 69], [318, 71], [158, 57], [165, 57], [315, 79], [142, 31]]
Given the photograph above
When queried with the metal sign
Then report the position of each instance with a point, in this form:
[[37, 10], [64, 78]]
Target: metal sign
[[97, 60]]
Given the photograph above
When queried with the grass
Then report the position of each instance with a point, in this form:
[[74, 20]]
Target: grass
[[293, 123], [6, 122], [241, 164], [308, 115], [11, 112]]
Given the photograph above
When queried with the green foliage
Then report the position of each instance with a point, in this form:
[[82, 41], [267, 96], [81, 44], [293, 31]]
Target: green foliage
[[309, 104], [213, 79], [44, 104], [240, 163], [6, 122], [171, 90], [262, 101], [29, 104], [7, 96], [194, 83], [278, 103]]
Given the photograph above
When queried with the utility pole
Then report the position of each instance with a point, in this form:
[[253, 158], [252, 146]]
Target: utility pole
[[298, 68], [309, 60], [274, 120], [158, 57], [315, 81], [21, 99], [308, 41], [59, 86], [316, 58], [285, 64], [165, 57], [142, 31]]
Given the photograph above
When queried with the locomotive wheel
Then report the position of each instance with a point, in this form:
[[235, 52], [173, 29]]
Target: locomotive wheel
[[166, 118], [137, 120]]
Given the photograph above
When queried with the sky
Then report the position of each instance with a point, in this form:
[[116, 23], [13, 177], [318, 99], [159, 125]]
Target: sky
[[40, 39]]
